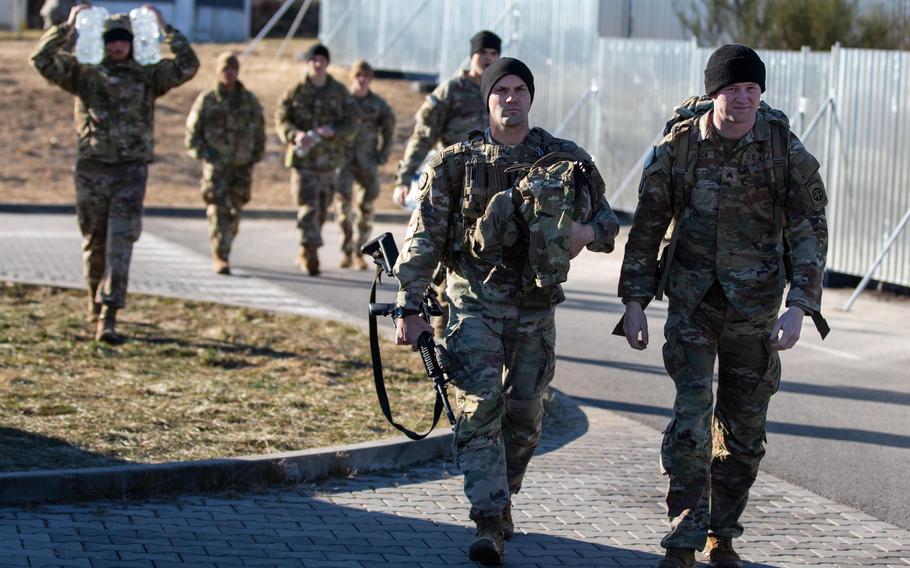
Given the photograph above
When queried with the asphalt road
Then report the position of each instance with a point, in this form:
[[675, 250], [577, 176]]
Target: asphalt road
[[839, 425]]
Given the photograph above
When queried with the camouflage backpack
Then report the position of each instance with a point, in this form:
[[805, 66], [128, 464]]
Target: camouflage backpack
[[544, 202], [776, 161]]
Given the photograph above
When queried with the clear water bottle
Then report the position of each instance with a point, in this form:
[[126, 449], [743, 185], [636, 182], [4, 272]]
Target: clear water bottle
[[89, 30], [146, 34]]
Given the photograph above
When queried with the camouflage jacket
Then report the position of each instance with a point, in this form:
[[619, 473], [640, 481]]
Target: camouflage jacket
[[460, 183], [375, 122], [226, 128], [115, 102], [452, 111], [728, 228], [306, 107]]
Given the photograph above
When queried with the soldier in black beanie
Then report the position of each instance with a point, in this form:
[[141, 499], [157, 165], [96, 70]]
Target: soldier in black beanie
[[501, 332], [742, 189], [485, 40]]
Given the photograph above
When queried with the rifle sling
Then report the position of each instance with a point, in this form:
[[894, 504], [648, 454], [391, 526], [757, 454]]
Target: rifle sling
[[379, 380]]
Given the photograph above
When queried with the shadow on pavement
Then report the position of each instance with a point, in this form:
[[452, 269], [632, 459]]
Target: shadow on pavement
[[845, 392], [363, 279], [773, 427], [624, 365]]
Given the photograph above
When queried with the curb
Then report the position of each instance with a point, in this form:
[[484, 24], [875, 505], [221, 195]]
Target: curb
[[190, 212], [138, 481]]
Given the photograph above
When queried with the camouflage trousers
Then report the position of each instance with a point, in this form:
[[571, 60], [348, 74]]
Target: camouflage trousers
[[225, 190], [505, 366], [109, 210], [355, 204], [313, 191], [711, 451]]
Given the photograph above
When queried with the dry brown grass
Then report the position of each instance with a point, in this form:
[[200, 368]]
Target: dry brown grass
[[194, 381], [40, 143]]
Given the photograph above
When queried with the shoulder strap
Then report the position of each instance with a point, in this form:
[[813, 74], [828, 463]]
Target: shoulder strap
[[683, 173], [779, 171], [379, 380]]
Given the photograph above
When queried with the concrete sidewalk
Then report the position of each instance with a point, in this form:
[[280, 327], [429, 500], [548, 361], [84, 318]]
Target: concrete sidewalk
[[593, 495]]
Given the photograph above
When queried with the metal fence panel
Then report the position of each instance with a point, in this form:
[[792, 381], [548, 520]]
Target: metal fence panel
[[390, 34], [871, 189]]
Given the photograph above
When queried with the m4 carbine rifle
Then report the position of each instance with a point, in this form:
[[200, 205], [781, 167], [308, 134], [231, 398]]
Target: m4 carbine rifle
[[435, 358]]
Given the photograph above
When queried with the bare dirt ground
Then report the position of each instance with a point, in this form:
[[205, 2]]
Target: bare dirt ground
[[39, 142]]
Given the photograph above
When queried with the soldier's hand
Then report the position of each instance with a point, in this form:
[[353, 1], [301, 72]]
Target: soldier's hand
[[409, 329], [786, 331], [157, 12], [635, 326], [74, 12], [302, 140], [400, 194], [326, 131], [582, 235]]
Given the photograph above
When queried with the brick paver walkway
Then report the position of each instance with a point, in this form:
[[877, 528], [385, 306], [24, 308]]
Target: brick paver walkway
[[593, 495]]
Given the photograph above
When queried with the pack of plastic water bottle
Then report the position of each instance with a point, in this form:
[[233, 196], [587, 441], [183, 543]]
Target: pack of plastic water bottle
[[89, 29], [146, 36]]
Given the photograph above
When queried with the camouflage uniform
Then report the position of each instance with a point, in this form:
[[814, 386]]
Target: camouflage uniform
[[115, 108], [452, 111], [225, 130], [56, 12], [305, 107], [363, 156], [448, 115], [501, 332], [725, 287]]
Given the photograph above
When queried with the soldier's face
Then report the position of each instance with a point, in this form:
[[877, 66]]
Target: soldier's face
[[316, 67], [363, 80], [510, 101], [118, 50], [228, 76], [737, 102], [483, 59]]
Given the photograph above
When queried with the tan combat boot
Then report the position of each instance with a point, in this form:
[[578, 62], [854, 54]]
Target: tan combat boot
[[346, 260], [94, 308], [309, 259], [359, 262], [508, 526], [677, 558], [220, 265], [106, 329], [487, 547], [720, 554]]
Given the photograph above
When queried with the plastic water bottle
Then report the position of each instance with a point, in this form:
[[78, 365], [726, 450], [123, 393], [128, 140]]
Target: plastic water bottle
[[146, 34], [89, 30]]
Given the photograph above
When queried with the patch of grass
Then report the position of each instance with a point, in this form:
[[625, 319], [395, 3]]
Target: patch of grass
[[193, 381]]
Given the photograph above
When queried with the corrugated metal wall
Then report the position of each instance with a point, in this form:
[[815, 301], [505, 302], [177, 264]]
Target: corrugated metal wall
[[613, 95]]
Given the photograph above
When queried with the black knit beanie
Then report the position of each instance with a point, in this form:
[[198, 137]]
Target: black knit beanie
[[501, 68], [118, 34], [315, 50], [485, 40], [733, 63]]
